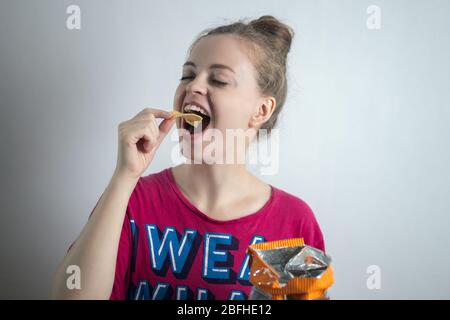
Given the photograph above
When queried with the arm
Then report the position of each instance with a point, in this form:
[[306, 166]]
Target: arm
[[95, 251]]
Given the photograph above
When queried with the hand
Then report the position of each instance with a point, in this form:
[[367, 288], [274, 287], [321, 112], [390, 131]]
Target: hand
[[138, 140]]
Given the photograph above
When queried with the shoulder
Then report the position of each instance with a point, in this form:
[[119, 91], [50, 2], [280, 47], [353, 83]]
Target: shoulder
[[302, 215], [293, 204]]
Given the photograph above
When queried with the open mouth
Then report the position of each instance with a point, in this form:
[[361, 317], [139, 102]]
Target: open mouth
[[206, 119]]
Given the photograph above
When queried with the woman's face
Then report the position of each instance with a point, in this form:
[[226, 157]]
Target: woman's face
[[221, 78]]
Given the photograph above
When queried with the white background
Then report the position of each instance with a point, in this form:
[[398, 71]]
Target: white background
[[363, 136]]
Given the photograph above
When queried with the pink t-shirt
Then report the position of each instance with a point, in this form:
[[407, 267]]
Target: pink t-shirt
[[169, 249]]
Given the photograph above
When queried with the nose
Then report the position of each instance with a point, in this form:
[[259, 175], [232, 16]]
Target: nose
[[196, 85]]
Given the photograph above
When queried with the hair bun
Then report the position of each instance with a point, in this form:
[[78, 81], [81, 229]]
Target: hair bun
[[278, 34]]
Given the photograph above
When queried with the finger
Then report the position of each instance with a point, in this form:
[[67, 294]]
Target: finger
[[166, 125], [154, 130], [158, 113], [164, 128], [137, 134], [141, 113], [147, 146], [150, 123]]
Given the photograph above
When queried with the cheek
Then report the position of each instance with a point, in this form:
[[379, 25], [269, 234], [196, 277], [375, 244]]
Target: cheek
[[232, 116], [225, 119], [232, 110]]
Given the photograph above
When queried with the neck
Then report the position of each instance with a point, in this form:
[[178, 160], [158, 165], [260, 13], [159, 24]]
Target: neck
[[219, 184]]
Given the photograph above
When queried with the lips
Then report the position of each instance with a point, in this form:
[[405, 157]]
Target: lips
[[196, 105]]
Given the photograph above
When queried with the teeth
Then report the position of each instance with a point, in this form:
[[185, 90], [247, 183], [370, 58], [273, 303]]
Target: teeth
[[191, 107]]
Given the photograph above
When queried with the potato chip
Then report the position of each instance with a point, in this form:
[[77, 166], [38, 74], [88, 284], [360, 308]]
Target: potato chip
[[191, 118]]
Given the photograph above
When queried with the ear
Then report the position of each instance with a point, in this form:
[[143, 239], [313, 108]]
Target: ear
[[263, 112]]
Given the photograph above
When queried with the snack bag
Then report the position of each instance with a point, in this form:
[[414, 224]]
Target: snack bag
[[289, 269]]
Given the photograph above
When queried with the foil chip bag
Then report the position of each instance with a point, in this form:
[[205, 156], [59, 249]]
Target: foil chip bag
[[289, 270]]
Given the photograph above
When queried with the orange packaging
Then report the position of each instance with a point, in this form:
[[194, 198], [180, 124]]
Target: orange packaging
[[289, 269]]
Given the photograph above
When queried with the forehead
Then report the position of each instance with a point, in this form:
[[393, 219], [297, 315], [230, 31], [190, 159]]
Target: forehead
[[222, 49]]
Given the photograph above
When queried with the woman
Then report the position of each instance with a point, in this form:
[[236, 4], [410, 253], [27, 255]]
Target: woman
[[182, 233]]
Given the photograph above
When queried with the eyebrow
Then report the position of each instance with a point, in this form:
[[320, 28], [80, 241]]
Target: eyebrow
[[213, 66]]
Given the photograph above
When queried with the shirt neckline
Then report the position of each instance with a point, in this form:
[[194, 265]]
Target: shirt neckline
[[260, 212]]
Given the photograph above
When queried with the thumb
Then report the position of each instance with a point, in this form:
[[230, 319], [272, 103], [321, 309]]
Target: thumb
[[164, 128]]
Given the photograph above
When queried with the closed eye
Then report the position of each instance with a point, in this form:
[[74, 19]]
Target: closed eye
[[220, 83]]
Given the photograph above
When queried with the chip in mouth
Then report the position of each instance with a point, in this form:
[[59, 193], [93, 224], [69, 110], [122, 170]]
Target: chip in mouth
[[196, 126]]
